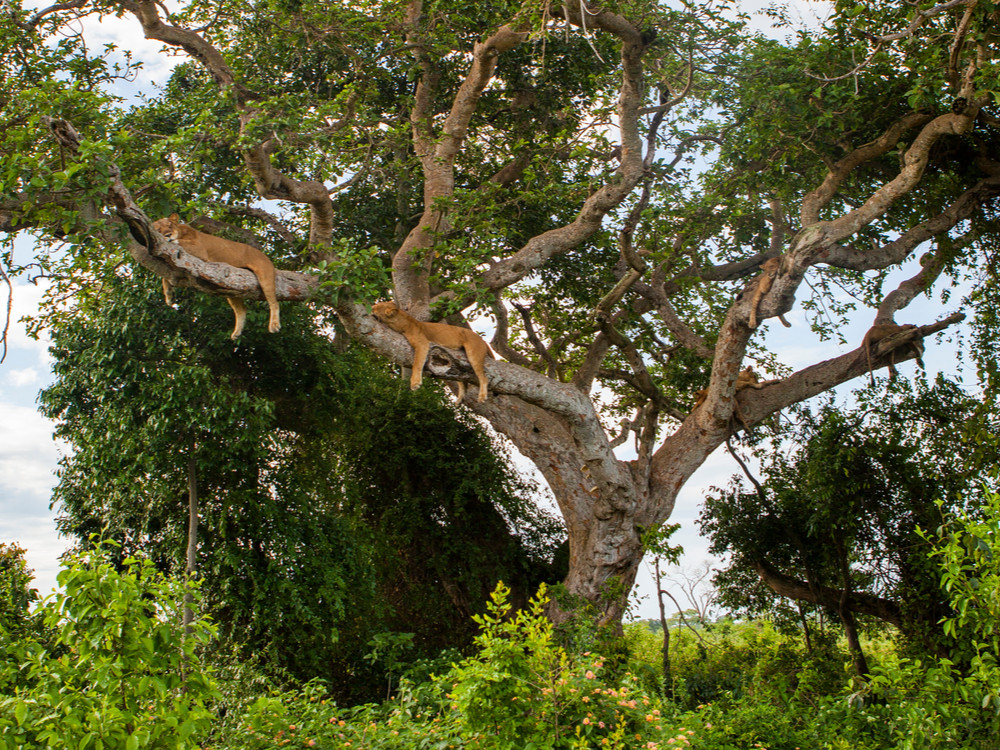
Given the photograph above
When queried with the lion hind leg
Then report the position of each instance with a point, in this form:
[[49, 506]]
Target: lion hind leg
[[274, 322], [240, 309], [265, 277], [476, 352]]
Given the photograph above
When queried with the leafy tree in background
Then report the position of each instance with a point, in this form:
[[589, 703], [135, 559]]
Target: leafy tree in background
[[609, 183], [16, 597], [334, 504], [835, 522]]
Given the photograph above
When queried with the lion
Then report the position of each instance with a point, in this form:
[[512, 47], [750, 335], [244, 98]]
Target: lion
[[421, 335], [768, 272], [219, 250]]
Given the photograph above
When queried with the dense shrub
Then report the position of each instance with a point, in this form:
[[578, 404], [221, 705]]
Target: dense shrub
[[114, 669], [110, 669]]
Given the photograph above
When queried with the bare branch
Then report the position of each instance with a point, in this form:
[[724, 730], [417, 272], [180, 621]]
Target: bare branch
[[192, 43], [39, 16], [957, 42], [584, 377], [529, 329], [853, 72], [918, 20], [10, 311], [681, 331], [268, 218], [642, 377], [500, 341]]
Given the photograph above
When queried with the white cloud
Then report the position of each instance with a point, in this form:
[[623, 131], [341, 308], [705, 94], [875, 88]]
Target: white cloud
[[28, 452], [28, 457], [20, 378], [42, 544], [25, 301]]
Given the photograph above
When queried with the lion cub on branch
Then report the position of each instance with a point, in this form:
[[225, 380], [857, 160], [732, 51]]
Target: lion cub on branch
[[219, 250], [421, 335]]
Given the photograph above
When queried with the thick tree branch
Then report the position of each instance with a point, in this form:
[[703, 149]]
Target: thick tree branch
[[818, 237], [821, 196], [539, 249], [707, 427], [274, 185], [167, 259], [196, 46], [821, 377], [895, 252], [270, 182], [411, 266], [564, 400], [932, 264], [856, 601]]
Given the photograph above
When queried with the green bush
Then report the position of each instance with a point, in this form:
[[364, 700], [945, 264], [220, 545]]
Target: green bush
[[115, 670], [520, 689], [108, 668], [729, 659], [932, 703]]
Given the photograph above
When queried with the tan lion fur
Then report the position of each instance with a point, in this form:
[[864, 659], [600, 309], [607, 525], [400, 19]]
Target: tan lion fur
[[220, 250], [421, 335]]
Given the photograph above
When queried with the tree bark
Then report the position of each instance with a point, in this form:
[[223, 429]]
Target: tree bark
[[860, 602]]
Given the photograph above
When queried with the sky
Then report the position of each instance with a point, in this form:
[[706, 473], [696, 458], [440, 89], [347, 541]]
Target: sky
[[29, 455], [28, 452]]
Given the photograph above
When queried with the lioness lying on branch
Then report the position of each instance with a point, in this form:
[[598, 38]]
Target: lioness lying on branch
[[219, 250], [421, 335]]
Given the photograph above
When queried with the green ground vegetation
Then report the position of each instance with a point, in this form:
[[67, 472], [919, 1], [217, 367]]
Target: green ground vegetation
[[104, 664]]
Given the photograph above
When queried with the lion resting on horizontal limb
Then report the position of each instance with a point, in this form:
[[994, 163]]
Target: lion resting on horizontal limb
[[421, 335], [220, 250]]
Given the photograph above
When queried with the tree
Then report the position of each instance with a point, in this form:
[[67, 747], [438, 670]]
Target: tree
[[332, 506], [16, 594], [113, 666], [617, 176], [839, 520]]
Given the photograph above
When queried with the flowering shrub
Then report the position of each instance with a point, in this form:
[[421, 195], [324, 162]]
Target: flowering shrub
[[523, 689], [111, 670], [520, 689]]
